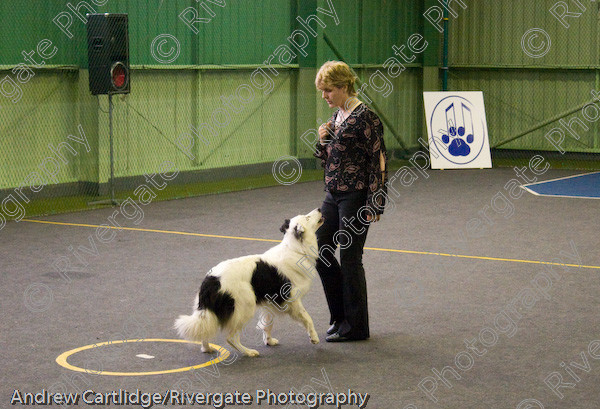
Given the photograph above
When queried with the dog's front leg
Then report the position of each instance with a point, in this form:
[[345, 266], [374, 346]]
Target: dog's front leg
[[298, 312], [266, 324]]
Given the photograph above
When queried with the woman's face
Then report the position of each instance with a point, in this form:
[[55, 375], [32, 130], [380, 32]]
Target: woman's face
[[334, 96]]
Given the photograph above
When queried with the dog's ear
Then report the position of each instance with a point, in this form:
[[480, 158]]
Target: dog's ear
[[285, 226], [298, 232]]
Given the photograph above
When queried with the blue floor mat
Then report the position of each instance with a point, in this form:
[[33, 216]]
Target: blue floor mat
[[585, 186]]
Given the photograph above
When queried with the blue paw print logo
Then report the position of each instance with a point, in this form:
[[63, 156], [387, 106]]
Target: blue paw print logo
[[460, 134], [459, 144]]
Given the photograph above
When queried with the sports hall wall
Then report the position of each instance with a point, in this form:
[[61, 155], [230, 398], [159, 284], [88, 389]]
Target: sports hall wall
[[216, 93]]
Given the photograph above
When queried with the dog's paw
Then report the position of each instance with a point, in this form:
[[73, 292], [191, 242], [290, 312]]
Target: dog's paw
[[272, 342], [252, 352], [315, 339]]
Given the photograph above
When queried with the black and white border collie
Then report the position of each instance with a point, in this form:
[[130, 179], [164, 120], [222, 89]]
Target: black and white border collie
[[232, 290]]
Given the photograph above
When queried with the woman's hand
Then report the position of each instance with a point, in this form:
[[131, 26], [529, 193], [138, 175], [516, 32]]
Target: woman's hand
[[373, 219], [324, 132]]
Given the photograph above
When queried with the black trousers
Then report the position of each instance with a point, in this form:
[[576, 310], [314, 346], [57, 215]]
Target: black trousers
[[344, 283]]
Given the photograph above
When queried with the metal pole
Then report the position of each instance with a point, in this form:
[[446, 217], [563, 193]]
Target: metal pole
[[111, 183], [112, 161], [596, 140], [445, 52]]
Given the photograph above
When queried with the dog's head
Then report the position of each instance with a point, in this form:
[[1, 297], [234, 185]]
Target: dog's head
[[302, 229]]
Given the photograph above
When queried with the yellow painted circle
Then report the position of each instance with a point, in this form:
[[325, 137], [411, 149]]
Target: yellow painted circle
[[62, 358]]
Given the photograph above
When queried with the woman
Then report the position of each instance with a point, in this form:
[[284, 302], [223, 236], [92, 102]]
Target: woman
[[352, 151]]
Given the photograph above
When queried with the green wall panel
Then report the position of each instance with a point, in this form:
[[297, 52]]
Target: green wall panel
[[167, 100], [26, 23], [40, 119], [241, 32], [368, 29], [517, 100], [490, 33]]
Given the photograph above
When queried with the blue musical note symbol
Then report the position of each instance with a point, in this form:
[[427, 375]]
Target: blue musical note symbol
[[455, 134]]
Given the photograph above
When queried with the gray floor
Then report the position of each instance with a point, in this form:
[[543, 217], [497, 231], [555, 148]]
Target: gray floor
[[423, 306]]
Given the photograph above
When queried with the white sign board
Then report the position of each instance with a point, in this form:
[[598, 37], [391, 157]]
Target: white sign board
[[457, 130]]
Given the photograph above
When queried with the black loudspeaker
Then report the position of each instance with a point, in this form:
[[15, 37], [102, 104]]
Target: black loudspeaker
[[108, 53]]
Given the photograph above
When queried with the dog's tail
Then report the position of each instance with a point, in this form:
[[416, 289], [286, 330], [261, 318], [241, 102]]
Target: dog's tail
[[202, 325]]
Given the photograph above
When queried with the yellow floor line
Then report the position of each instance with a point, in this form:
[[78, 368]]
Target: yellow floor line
[[429, 253], [151, 230]]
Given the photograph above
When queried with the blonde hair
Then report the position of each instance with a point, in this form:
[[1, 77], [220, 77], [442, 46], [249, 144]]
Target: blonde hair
[[336, 74]]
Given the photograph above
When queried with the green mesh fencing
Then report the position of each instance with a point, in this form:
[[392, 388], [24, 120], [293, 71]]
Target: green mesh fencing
[[223, 98], [538, 65]]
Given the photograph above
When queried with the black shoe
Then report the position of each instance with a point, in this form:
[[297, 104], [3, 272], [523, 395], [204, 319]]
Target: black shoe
[[333, 329], [341, 338]]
